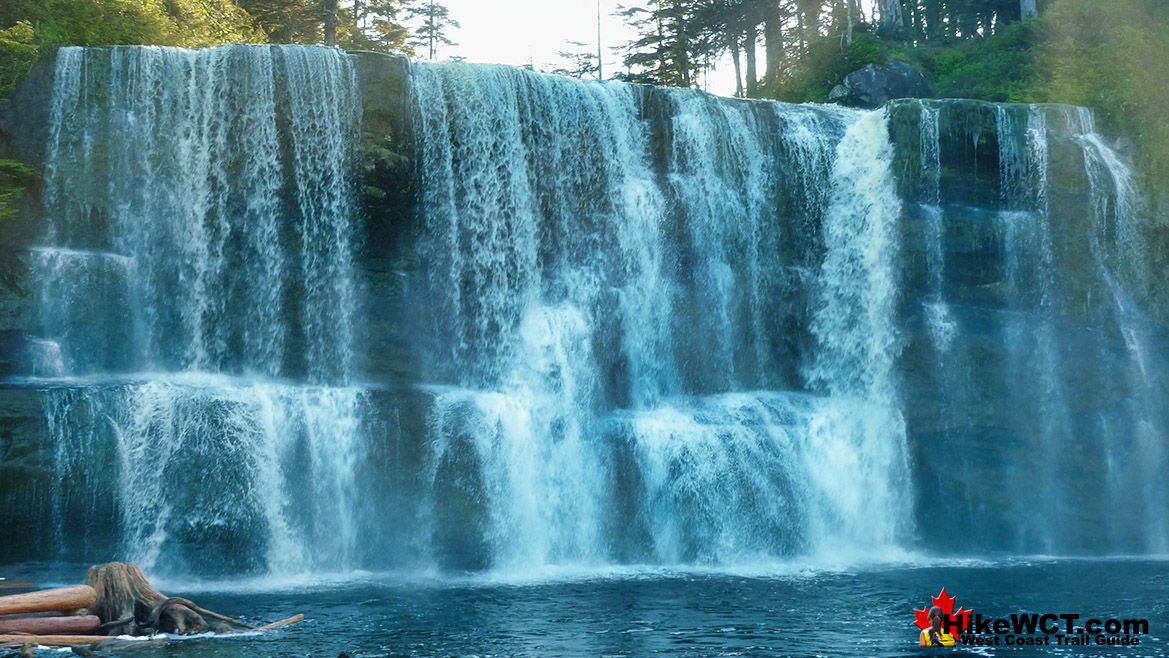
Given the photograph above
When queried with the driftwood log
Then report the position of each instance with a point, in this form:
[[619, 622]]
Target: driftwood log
[[294, 619], [50, 625], [73, 612], [17, 586], [62, 598], [117, 599], [72, 640], [53, 640]]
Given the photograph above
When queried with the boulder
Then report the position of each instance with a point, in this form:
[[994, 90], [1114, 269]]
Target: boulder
[[876, 84]]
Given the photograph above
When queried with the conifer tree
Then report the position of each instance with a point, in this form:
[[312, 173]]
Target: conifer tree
[[436, 23], [379, 25], [582, 61]]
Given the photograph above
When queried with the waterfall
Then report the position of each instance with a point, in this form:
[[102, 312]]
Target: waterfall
[[250, 510], [1031, 338], [939, 320], [1139, 454], [169, 162], [198, 256], [625, 325], [605, 324], [1041, 368]]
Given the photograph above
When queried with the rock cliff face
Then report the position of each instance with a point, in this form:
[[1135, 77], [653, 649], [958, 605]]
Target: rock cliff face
[[400, 315], [25, 120], [1028, 290]]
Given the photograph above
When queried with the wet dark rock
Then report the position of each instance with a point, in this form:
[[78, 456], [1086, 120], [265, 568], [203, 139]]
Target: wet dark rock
[[877, 84]]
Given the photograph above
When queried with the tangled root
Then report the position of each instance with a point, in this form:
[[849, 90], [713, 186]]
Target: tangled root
[[128, 604]]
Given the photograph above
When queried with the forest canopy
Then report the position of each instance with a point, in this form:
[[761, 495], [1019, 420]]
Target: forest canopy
[[30, 27], [1112, 55], [1106, 52]]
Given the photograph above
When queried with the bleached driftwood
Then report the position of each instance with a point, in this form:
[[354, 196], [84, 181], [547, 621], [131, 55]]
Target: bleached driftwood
[[62, 598], [57, 625]]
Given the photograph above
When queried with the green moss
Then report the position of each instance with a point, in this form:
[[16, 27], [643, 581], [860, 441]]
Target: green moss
[[826, 64], [14, 177], [18, 52], [387, 178], [1001, 68]]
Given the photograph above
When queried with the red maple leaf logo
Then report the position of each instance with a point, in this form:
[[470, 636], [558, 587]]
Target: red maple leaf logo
[[946, 603]]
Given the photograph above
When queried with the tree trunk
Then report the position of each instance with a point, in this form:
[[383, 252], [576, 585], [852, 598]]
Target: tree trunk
[[330, 10], [124, 595], [933, 21], [801, 43], [773, 45], [852, 17], [891, 13], [685, 67], [17, 586], [752, 72], [915, 21], [1027, 9], [663, 72], [600, 59], [738, 67], [811, 21], [968, 22]]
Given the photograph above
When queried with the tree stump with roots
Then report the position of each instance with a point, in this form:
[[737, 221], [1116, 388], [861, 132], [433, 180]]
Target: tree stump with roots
[[128, 604]]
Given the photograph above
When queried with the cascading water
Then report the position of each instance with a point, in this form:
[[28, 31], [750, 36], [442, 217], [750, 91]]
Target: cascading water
[[1124, 442], [1135, 465], [641, 325], [1065, 368], [169, 162], [199, 246], [1031, 340], [609, 312]]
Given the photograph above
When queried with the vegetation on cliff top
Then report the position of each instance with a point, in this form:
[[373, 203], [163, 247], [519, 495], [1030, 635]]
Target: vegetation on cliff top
[[1112, 55], [30, 29]]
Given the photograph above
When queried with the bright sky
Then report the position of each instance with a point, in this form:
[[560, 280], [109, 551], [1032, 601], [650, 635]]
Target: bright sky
[[519, 32]]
